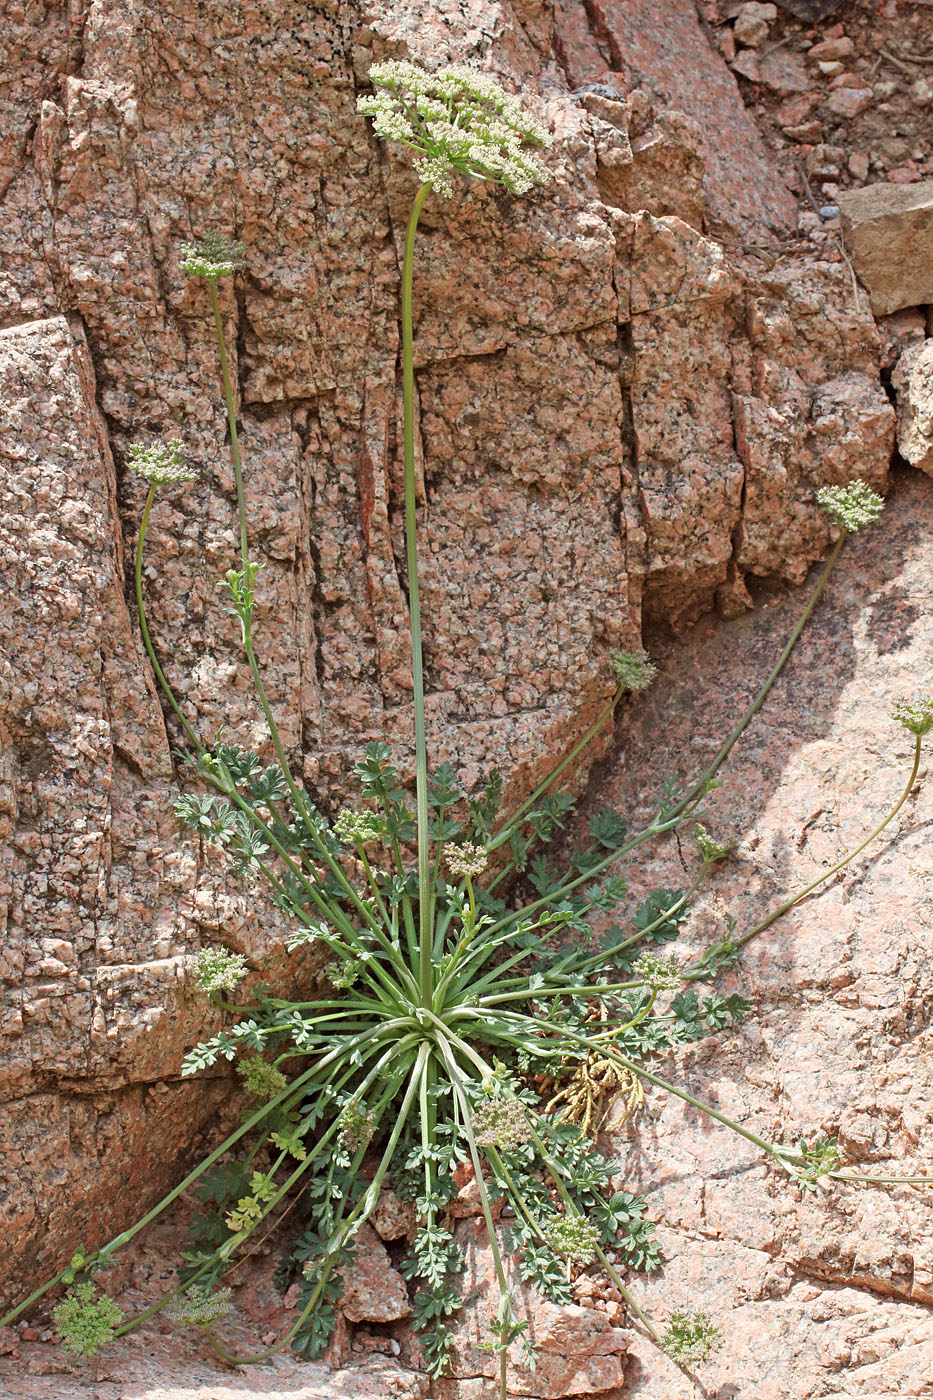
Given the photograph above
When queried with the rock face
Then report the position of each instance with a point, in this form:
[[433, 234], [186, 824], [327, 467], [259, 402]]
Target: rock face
[[889, 231], [820, 1292], [913, 384], [626, 399]]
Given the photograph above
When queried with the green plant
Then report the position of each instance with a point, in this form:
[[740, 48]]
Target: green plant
[[86, 1320], [457, 1027]]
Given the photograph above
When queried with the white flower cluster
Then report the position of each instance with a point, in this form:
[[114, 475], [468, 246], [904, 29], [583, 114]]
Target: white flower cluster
[[633, 670], [917, 717], [160, 463], [710, 848], [219, 970], [456, 120], [358, 828], [502, 1123], [853, 506], [572, 1237], [661, 974], [215, 255], [465, 861]]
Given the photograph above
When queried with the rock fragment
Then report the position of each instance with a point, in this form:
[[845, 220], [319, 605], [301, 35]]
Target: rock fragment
[[753, 24], [913, 384], [849, 102], [888, 230], [372, 1290]]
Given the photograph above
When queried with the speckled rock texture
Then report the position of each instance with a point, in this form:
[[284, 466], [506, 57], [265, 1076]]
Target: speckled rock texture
[[822, 1293], [628, 385], [913, 384], [579, 1353], [889, 230]]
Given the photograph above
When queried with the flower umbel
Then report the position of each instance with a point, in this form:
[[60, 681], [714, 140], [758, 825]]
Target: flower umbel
[[572, 1237], [215, 255], [659, 973], [456, 120], [853, 506], [710, 849], [261, 1078], [86, 1321], [633, 670], [198, 1306], [691, 1338], [465, 861], [916, 716], [219, 970], [160, 463], [358, 828], [357, 1125], [502, 1123]]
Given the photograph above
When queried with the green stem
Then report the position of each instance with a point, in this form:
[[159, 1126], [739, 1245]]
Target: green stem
[[414, 604], [504, 1299], [127, 1235], [144, 626], [571, 1208], [856, 1180], [360, 1213], [246, 620], [515, 819], [642, 1073], [642, 1316], [231, 420], [840, 864], [710, 771]]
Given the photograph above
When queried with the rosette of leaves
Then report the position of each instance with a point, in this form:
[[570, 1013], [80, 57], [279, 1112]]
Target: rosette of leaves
[[464, 974]]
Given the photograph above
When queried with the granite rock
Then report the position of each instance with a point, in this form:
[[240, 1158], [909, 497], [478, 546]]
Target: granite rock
[[889, 232], [913, 384], [821, 1292], [577, 1353], [372, 1290], [582, 470]]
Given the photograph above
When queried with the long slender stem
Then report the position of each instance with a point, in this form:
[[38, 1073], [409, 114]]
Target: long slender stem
[[504, 1297], [712, 768], [144, 626], [414, 603], [360, 1213], [840, 864], [247, 628], [515, 819], [231, 420]]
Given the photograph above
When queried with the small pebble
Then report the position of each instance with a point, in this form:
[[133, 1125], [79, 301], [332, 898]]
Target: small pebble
[[829, 211]]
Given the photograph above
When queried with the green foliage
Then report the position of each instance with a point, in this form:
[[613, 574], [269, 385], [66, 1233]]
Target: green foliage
[[86, 1320], [817, 1159], [690, 1338]]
